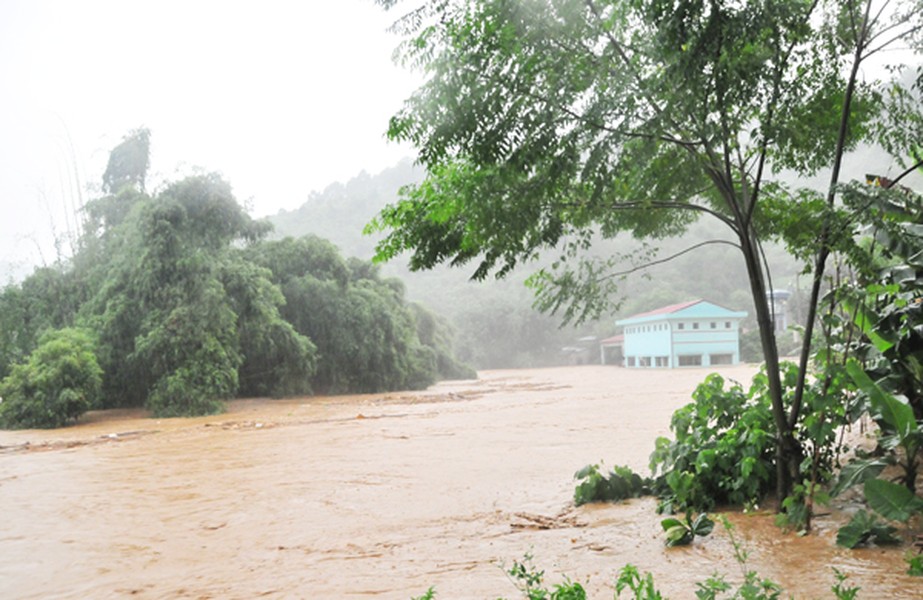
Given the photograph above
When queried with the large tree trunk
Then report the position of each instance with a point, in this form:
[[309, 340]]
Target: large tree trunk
[[787, 450], [823, 252]]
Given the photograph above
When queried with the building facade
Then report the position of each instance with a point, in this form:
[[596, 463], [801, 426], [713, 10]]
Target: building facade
[[690, 334]]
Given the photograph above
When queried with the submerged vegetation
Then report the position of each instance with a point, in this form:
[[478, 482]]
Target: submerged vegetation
[[175, 301], [631, 583]]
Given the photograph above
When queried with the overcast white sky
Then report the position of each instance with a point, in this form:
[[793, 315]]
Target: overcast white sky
[[282, 97]]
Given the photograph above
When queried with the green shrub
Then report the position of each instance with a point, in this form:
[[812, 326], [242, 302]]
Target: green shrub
[[620, 483], [914, 564], [723, 449], [198, 387], [530, 582], [56, 384], [864, 528]]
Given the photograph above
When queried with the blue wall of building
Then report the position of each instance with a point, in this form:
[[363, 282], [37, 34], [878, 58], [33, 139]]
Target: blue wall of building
[[648, 340], [702, 334]]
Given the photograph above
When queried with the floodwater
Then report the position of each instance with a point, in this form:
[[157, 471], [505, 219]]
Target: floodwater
[[380, 496]]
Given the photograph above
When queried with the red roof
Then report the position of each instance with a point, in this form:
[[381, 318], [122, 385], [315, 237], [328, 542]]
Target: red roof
[[664, 310], [612, 341]]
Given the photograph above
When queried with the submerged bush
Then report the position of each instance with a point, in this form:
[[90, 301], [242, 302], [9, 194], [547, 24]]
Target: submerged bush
[[56, 384], [619, 484], [723, 449]]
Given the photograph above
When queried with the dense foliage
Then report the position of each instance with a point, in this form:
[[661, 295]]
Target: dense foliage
[[59, 381], [620, 483], [722, 451], [544, 125], [369, 338], [190, 306], [497, 325]]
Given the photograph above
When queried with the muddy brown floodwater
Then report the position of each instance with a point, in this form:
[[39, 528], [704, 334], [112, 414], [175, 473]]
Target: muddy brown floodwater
[[379, 496]]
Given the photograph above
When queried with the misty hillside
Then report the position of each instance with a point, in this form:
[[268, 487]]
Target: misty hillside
[[495, 322]]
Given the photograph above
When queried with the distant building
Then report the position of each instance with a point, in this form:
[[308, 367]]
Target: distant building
[[777, 301], [611, 350], [583, 353], [690, 334]]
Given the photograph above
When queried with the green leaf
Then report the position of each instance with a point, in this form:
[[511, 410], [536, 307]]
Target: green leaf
[[914, 565], [856, 472], [863, 528], [865, 321], [671, 522], [678, 536], [702, 525], [855, 532], [891, 500], [896, 413], [586, 471]]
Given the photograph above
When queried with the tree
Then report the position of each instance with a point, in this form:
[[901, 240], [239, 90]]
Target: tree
[[545, 123], [58, 382], [129, 162], [180, 314], [368, 338], [186, 305]]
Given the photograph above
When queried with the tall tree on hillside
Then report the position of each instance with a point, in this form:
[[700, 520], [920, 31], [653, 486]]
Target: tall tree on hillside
[[368, 338], [181, 317], [129, 162], [545, 122]]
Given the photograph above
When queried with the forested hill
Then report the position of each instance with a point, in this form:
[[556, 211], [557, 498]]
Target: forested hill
[[341, 211], [175, 301], [495, 321]]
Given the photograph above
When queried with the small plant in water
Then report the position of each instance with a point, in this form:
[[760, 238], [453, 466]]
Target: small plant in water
[[682, 532], [796, 514], [840, 590], [619, 484], [914, 563], [753, 588], [642, 586], [864, 528], [429, 595], [529, 581]]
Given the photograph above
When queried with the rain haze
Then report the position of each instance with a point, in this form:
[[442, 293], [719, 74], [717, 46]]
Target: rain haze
[[282, 98]]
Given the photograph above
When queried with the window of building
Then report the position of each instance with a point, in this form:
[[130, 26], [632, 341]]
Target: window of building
[[690, 360], [695, 325], [662, 361], [680, 325], [727, 324], [721, 359], [714, 325], [630, 361], [644, 361]]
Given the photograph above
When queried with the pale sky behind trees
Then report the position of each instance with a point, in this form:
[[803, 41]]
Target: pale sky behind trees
[[281, 97]]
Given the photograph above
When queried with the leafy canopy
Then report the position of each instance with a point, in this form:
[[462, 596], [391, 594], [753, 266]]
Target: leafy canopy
[[545, 123], [57, 383]]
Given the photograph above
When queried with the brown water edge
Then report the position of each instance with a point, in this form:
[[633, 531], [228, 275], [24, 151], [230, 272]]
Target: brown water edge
[[379, 496]]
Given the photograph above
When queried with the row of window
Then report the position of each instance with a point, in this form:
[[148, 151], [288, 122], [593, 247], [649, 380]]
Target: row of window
[[683, 360], [679, 326], [711, 325]]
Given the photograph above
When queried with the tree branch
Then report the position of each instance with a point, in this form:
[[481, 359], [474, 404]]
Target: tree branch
[[884, 45], [667, 259], [630, 134], [661, 205], [620, 50], [905, 174]]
